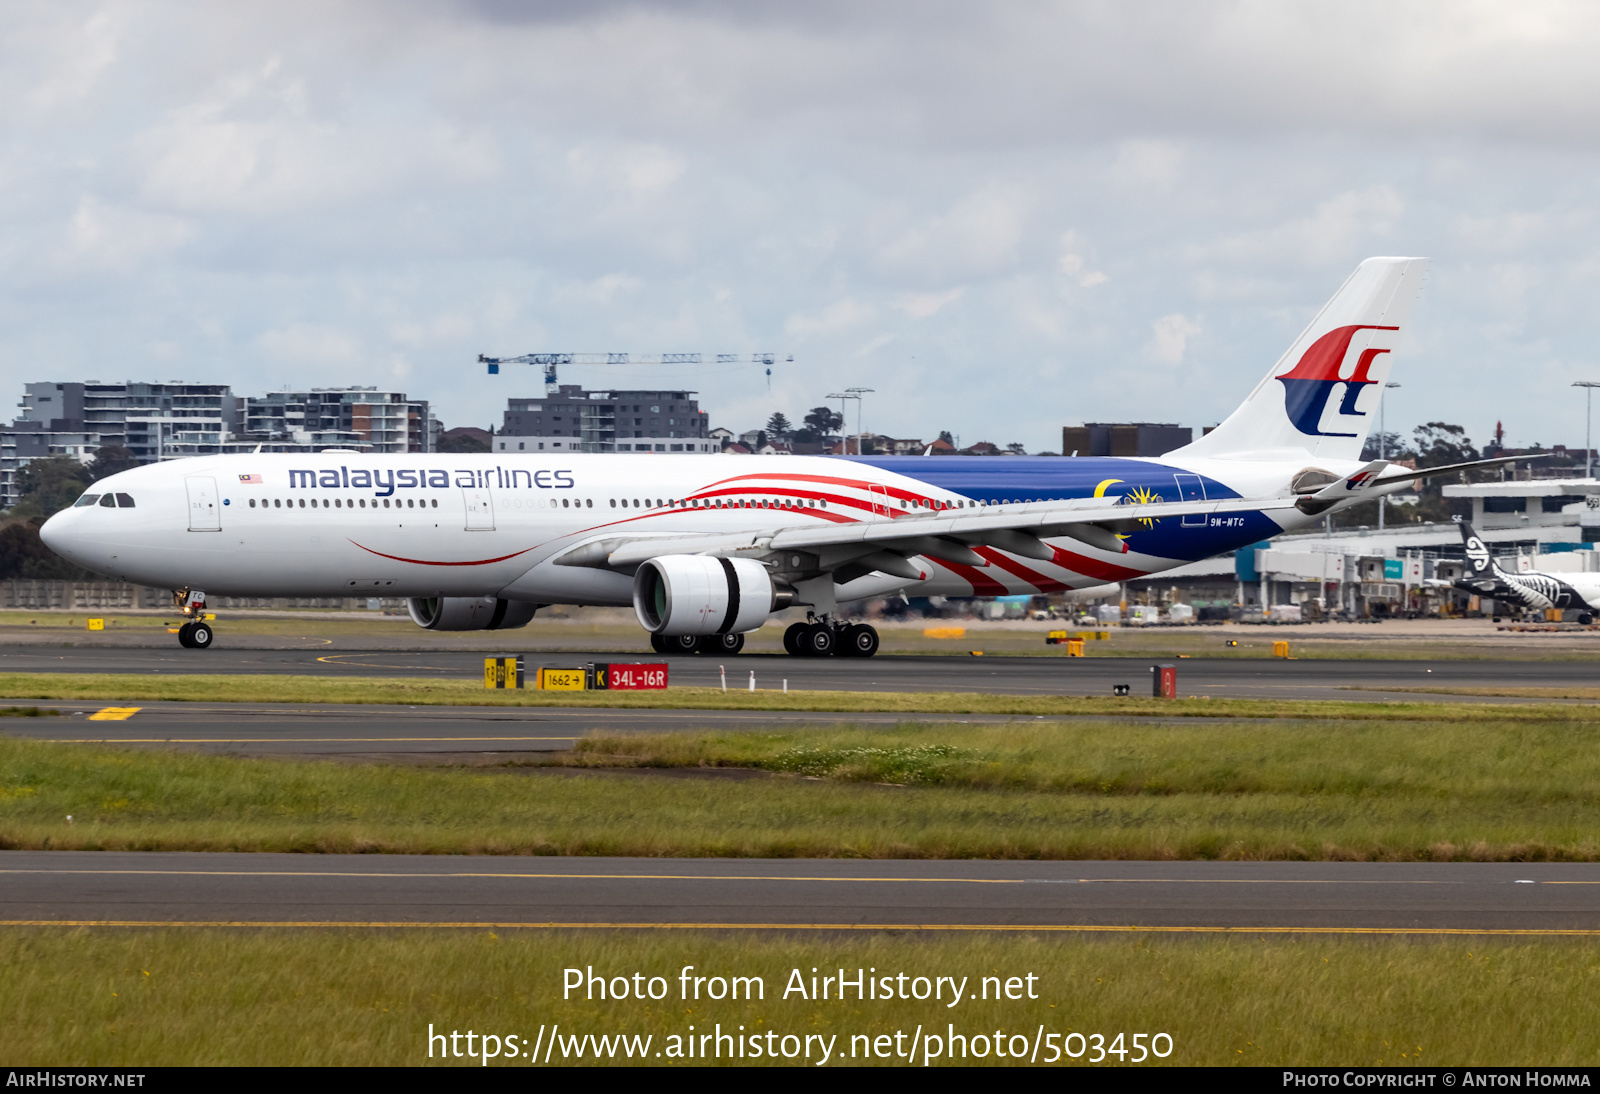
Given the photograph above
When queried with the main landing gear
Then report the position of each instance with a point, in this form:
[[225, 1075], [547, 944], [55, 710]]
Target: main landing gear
[[814, 638], [196, 633], [823, 638]]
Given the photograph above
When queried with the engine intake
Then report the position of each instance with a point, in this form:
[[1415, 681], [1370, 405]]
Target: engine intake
[[469, 613], [697, 594]]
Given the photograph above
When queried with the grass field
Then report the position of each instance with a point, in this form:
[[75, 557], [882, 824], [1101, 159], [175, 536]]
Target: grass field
[[133, 998], [1353, 790], [1368, 781], [1578, 693]]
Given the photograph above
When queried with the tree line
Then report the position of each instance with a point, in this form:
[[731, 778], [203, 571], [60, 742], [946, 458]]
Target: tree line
[[46, 486]]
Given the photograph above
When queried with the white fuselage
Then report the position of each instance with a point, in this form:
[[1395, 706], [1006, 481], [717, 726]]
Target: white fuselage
[[428, 525]]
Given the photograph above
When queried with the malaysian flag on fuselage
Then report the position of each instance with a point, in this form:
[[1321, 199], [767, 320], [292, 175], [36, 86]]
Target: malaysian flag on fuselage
[[249, 478]]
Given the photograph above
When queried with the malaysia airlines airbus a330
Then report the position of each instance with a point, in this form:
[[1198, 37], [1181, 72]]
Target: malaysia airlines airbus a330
[[705, 548]]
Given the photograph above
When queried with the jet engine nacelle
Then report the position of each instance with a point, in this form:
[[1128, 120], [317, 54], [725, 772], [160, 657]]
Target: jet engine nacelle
[[697, 594], [469, 613]]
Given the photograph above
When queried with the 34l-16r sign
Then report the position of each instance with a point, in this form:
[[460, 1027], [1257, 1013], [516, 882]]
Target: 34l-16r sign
[[627, 677]]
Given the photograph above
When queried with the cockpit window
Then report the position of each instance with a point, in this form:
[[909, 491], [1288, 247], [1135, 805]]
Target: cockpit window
[[109, 501], [125, 501], [87, 499]]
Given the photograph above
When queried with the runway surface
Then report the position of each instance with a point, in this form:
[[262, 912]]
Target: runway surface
[[399, 890], [439, 731], [1231, 678], [377, 732]]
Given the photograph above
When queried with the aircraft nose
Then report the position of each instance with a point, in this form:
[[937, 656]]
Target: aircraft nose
[[54, 533]]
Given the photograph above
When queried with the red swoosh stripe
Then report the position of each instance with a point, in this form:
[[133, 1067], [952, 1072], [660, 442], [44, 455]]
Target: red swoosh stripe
[[1016, 569], [860, 484], [1093, 567], [981, 584], [428, 562], [834, 499]]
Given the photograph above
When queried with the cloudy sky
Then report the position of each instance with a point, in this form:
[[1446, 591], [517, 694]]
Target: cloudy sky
[[1003, 218]]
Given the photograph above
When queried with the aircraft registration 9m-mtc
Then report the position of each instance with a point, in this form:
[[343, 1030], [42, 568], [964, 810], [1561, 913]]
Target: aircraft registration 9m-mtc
[[705, 548]]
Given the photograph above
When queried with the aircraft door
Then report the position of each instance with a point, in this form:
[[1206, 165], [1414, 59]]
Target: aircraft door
[[1191, 488], [480, 510], [880, 500], [204, 512]]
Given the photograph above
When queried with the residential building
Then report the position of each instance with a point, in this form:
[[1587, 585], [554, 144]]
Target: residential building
[[154, 421], [379, 421], [167, 421], [573, 419]]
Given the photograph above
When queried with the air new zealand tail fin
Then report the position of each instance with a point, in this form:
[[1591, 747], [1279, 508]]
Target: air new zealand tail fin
[[1480, 563], [1321, 398]]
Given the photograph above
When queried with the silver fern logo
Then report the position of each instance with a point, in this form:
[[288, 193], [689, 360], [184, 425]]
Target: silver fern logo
[[1477, 554]]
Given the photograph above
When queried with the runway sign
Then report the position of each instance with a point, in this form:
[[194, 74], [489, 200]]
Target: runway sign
[[97, 624], [561, 679], [1164, 681], [502, 672], [627, 677]]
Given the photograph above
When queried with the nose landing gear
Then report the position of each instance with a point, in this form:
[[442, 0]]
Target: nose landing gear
[[196, 634]]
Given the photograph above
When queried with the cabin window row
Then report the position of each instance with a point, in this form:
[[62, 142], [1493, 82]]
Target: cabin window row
[[344, 503]]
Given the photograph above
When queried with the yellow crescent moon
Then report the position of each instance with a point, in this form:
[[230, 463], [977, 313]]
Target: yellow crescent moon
[[1100, 491]]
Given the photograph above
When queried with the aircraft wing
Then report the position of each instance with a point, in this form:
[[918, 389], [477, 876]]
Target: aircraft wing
[[946, 534]]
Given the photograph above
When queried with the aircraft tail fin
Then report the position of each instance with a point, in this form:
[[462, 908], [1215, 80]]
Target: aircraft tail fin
[[1321, 398], [1480, 561]]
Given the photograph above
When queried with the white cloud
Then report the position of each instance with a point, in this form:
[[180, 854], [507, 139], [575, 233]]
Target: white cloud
[[303, 345], [921, 305], [1169, 338], [340, 194], [1075, 267], [1148, 162], [839, 317], [979, 236], [1339, 228], [1506, 233], [106, 238], [76, 60]]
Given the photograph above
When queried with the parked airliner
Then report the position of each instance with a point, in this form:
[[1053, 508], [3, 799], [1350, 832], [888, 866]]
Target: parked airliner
[[705, 548], [1526, 588]]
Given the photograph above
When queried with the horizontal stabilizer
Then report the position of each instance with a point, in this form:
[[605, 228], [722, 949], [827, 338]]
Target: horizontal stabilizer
[[1429, 472]]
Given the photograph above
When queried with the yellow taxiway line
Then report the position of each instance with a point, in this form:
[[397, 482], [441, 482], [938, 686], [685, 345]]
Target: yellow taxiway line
[[282, 740]]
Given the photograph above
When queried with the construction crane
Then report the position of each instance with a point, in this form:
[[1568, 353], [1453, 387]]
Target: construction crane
[[550, 361]]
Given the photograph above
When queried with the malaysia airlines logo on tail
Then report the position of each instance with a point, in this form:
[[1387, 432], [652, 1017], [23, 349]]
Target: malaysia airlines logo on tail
[[1308, 386]]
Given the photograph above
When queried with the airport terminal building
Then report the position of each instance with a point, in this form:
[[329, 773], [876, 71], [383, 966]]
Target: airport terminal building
[[1549, 525]]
